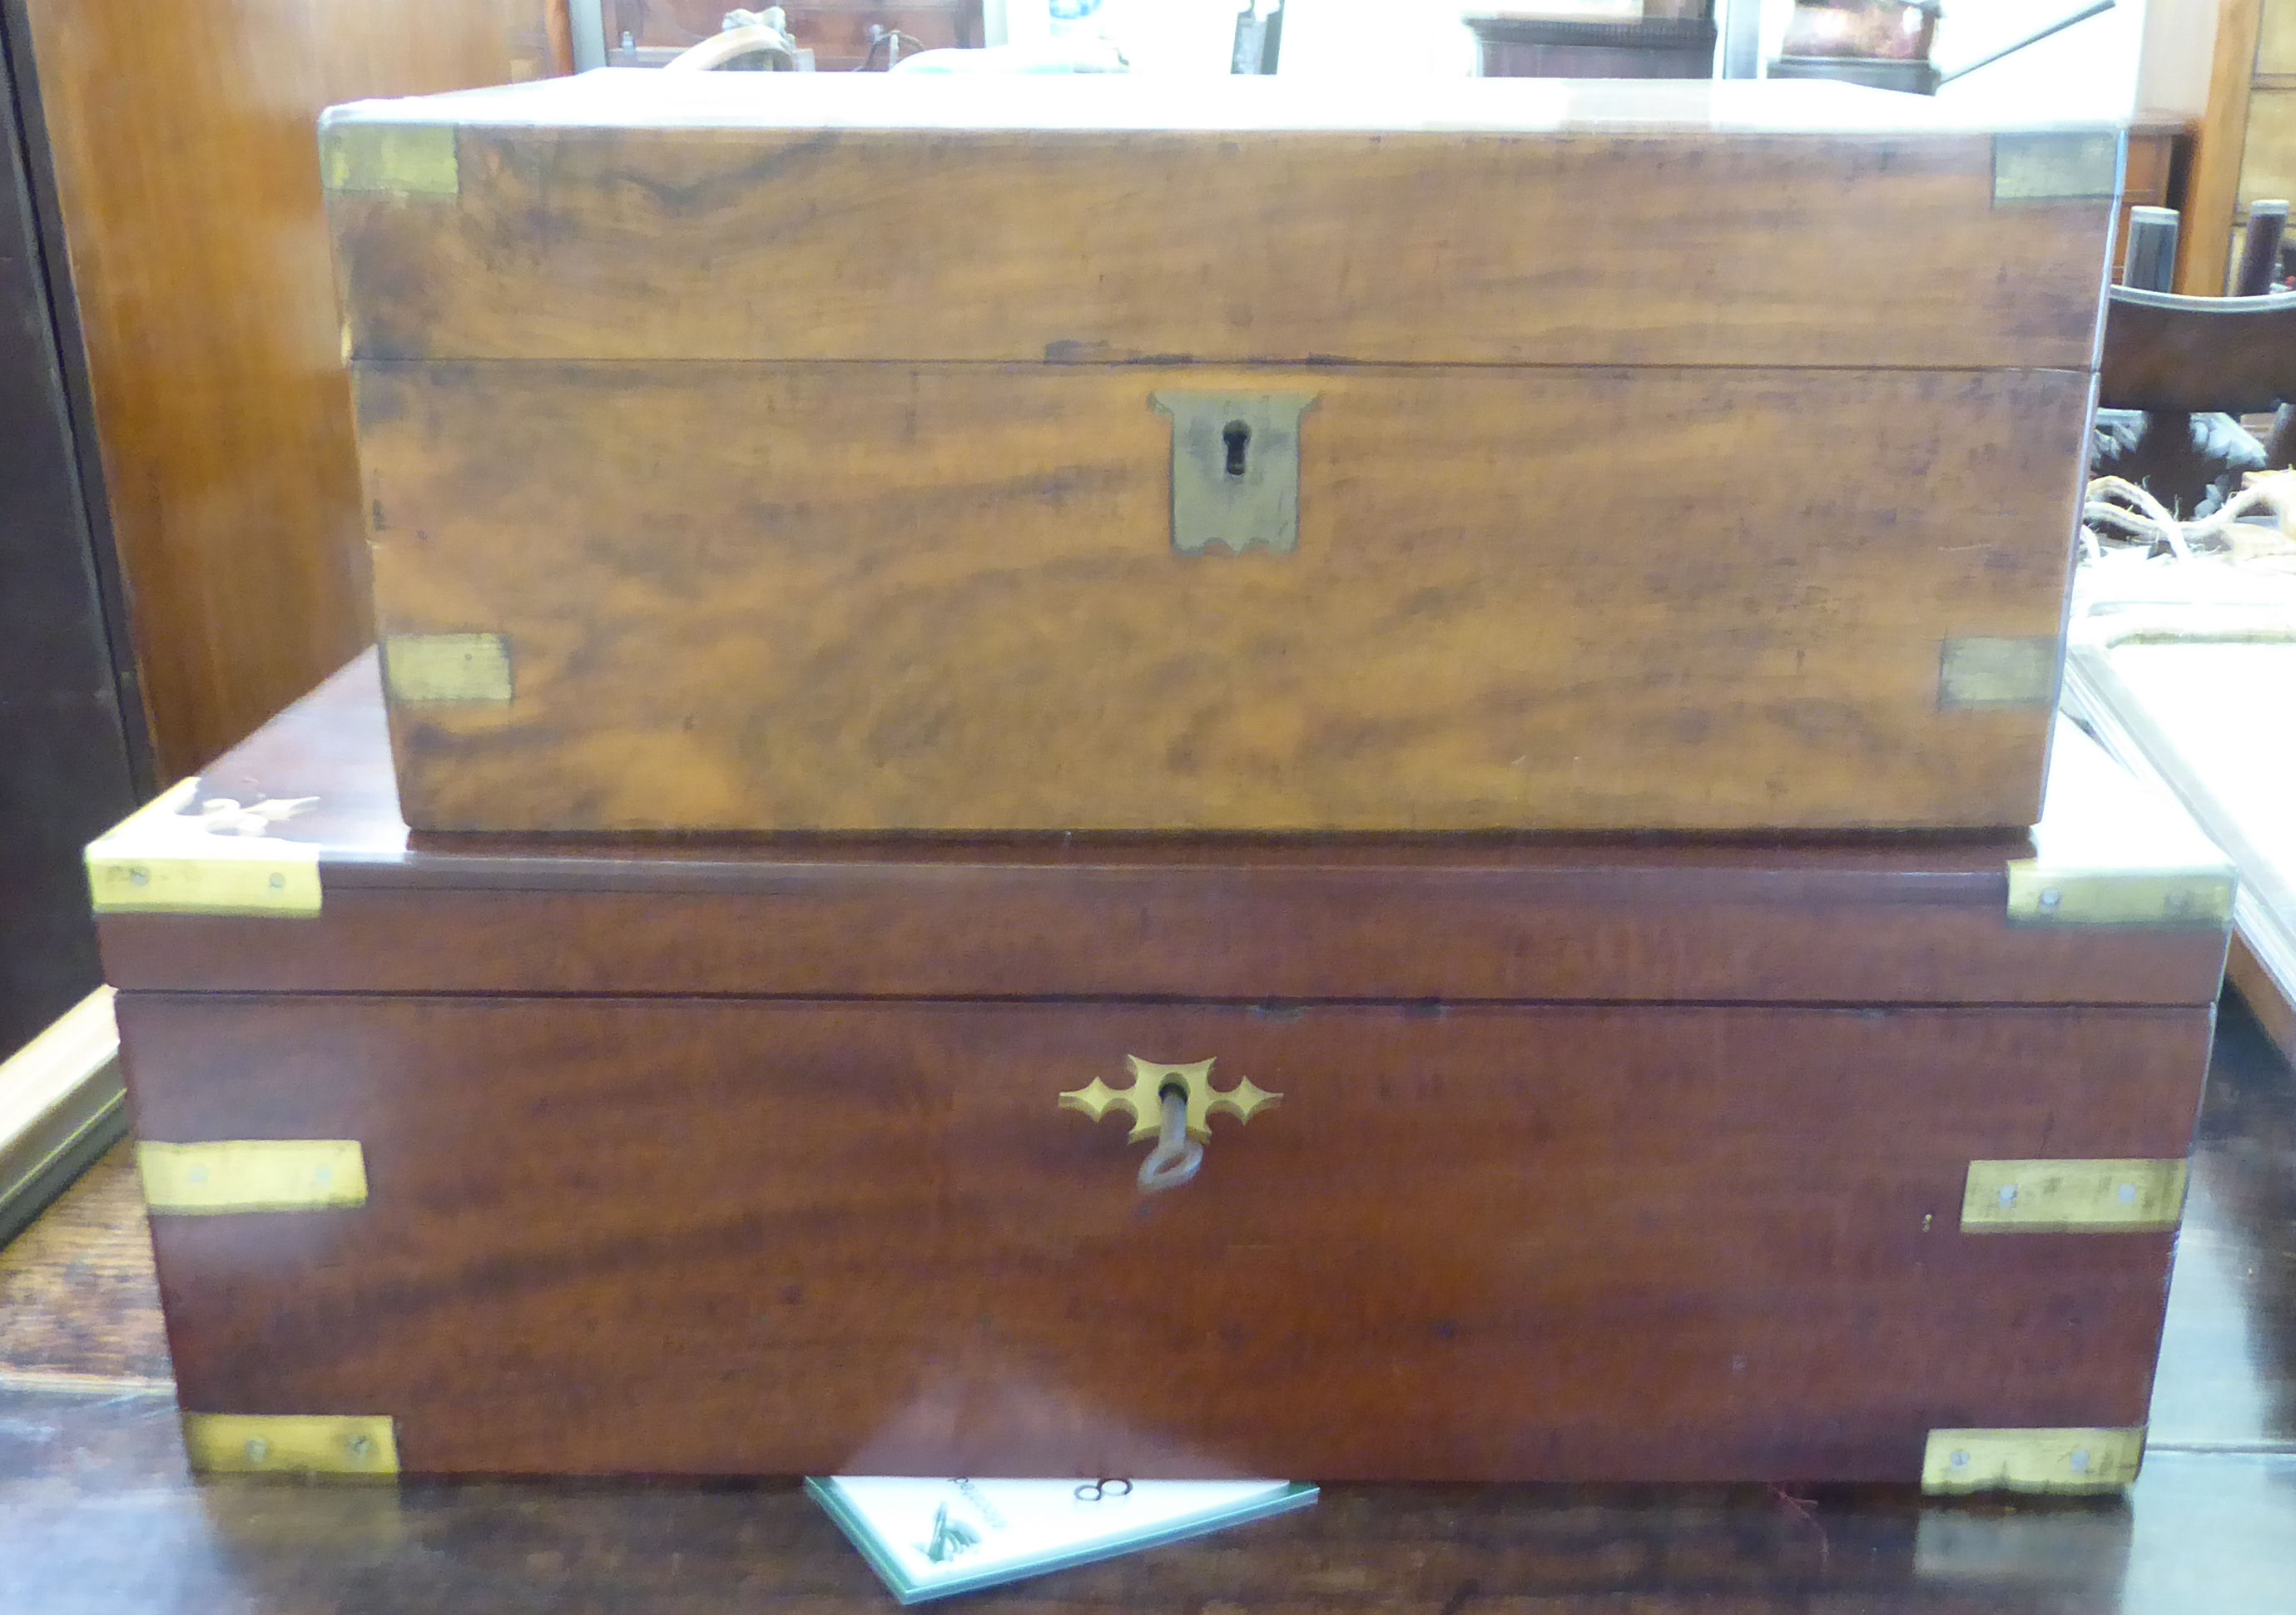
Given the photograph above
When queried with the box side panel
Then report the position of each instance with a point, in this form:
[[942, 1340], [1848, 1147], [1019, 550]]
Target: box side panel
[[1687, 1244], [1681, 248], [949, 597]]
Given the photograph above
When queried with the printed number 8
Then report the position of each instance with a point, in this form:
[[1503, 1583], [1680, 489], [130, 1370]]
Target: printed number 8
[[1095, 1491]]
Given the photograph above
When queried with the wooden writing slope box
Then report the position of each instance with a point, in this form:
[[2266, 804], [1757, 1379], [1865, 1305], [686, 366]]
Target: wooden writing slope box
[[1593, 1159], [861, 453]]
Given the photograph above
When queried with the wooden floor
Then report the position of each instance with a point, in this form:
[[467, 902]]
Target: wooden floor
[[98, 1517]]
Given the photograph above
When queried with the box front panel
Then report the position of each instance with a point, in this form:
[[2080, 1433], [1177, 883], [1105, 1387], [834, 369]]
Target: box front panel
[[752, 596], [1557, 1242]]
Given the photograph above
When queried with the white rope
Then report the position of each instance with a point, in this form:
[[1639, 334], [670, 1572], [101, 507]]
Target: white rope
[[1176, 1156], [2154, 522], [745, 33]]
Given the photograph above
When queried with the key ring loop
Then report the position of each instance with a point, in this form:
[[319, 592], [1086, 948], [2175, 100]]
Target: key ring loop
[[1176, 1157]]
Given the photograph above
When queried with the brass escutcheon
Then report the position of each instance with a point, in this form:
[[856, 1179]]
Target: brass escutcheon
[[1143, 1100]]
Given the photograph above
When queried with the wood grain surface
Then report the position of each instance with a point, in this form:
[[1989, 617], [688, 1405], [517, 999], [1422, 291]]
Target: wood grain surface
[[1491, 221], [2263, 995], [1844, 919], [2213, 191], [944, 597], [98, 1516], [186, 175], [1606, 930], [2267, 169], [1685, 1243], [2233, 356], [77, 1300]]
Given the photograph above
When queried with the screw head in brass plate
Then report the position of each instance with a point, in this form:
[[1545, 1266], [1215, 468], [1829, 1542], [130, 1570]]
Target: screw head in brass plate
[[351, 1446], [2072, 1460]]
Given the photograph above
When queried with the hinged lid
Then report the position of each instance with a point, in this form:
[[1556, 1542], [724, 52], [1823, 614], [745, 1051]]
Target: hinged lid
[[632, 215]]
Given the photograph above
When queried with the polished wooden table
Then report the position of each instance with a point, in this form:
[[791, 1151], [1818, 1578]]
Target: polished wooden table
[[98, 1515]]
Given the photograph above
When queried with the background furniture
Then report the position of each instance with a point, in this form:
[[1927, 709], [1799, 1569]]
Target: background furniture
[[2160, 165], [1672, 39], [645, 33], [63, 1103], [176, 154], [74, 756], [2246, 144], [179, 509]]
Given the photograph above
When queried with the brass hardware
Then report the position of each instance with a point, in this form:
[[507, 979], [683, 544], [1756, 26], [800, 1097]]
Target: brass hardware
[[2046, 167], [204, 886], [1236, 469], [1978, 672], [63, 1103], [253, 1175], [162, 859], [398, 159], [306, 1444], [2031, 1460], [1143, 1100], [2043, 894], [1176, 1158], [447, 667], [2072, 1196]]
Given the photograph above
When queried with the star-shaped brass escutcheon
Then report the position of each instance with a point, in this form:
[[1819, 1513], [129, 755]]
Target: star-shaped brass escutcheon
[[1144, 1098]]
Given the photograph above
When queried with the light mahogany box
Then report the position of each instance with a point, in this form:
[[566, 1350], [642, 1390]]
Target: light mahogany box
[[870, 451]]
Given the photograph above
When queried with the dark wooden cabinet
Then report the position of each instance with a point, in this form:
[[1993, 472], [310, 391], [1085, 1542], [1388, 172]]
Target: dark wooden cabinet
[[72, 751]]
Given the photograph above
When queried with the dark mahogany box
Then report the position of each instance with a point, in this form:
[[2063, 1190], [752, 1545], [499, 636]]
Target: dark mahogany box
[[1855, 1159]]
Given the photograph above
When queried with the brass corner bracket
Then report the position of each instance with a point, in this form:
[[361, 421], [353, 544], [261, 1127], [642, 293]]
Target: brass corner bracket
[[2070, 1461], [351, 1446]]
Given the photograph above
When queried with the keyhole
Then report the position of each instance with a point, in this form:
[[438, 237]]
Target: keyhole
[[1238, 437]]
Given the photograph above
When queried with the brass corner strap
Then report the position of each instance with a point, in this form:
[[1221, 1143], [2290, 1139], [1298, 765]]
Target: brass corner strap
[[2068, 1461], [2126, 1196], [1976, 672], [2045, 894], [353, 1446], [426, 667], [403, 159], [239, 1175], [224, 858]]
